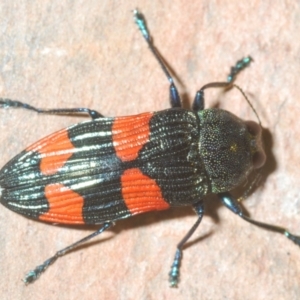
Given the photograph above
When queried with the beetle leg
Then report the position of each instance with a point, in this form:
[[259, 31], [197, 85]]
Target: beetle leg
[[33, 275], [231, 203], [174, 273], [198, 103], [141, 23], [61, 111], [239, 66]]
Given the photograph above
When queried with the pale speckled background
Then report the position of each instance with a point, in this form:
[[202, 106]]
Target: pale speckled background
[[90, 53]]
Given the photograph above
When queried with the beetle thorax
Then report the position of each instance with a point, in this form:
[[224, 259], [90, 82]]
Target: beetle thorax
[[228, 147]]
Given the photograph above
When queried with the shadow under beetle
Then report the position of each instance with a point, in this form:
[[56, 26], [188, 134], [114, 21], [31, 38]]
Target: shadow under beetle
[[106, 169]]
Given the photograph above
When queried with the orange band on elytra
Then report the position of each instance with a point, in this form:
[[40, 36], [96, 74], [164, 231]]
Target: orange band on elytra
[[65, 206], [141, 193], [130, 134], [55, 150]]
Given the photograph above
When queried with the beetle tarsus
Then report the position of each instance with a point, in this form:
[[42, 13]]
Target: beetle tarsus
[[174, 272], [239, 66], [33, 275], [294, 238]]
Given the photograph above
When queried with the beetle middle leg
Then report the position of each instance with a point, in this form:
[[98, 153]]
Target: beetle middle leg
[[175, 100], [60, 111], [174, 273]]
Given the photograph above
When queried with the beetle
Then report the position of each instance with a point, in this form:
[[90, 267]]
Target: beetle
[[107, 169]]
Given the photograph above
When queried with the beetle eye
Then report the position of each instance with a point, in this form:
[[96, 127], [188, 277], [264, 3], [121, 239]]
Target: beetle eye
[[259, 156], [259, 159], [253, 128]]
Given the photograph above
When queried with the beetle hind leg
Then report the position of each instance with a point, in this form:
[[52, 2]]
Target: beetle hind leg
[[33, 275]]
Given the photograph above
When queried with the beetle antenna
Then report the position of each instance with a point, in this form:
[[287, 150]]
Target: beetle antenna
[[250, 104]]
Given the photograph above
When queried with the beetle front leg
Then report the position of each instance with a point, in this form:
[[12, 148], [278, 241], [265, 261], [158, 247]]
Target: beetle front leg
[[231, 203]]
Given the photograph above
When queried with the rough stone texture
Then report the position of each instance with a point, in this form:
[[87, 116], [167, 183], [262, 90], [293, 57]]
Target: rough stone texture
[[90, 53]]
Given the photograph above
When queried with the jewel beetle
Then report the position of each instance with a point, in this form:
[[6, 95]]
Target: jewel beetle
[[107, 169]]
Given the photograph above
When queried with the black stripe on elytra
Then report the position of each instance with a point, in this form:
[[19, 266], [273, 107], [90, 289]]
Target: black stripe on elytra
[[171, 157], [22, 185]]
